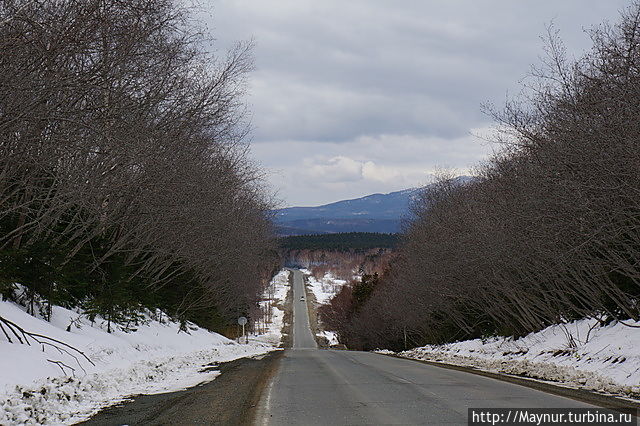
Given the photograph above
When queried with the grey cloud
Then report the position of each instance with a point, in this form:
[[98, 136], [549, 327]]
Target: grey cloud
[[311, 173], [332, 72]]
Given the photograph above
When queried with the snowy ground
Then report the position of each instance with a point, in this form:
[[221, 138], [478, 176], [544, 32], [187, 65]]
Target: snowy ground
[[154, 358], [324, 290], [279, 289], [580, 354], [331, 336]]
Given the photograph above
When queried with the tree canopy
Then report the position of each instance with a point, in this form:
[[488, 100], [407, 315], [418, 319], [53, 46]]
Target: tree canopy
[[124, 181]]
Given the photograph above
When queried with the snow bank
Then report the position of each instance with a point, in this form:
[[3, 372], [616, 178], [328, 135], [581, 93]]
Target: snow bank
[[581, 354], [155, 358]]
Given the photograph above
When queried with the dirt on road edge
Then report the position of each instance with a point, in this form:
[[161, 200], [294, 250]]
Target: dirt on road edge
[[230, 399], [287, 319]]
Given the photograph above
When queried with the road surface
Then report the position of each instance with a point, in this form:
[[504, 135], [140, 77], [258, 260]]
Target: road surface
[[302, 336], [332, 387]]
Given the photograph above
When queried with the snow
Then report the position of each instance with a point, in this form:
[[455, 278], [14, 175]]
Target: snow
[[581, 354], [155, 358], [331, 336], [280, 288], [326, 288]]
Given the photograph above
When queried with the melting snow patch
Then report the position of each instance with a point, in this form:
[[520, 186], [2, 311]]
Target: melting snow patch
[[331, 336], [273, 301], [325, 288]]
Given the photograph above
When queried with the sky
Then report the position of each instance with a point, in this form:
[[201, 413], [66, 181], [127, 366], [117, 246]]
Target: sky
[[356, 97]]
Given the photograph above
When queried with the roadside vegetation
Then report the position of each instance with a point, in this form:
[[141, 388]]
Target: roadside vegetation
[[547, 232], [124, 182]]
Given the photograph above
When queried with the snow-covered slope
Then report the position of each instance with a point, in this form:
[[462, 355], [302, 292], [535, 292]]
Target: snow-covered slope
[[324, 290], [42, 385], [581, 354]]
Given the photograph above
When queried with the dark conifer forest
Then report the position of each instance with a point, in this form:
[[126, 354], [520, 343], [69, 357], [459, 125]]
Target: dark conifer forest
[[341, 241]]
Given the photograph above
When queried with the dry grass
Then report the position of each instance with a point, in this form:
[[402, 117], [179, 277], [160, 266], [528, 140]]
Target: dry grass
[[287, 334]]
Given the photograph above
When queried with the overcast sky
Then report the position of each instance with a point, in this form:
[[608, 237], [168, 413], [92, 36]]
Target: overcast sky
[[356, 97]]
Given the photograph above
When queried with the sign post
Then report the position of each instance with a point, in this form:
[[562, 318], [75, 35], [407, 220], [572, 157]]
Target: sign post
[[243, 321]]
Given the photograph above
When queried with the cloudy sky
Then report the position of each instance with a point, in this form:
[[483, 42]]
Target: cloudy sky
[[356, 97]]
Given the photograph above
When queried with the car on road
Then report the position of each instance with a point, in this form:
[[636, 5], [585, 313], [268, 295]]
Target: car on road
[[302, 298]]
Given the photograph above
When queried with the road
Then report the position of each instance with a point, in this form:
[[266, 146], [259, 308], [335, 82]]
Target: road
[[302, 336], [332, 387]]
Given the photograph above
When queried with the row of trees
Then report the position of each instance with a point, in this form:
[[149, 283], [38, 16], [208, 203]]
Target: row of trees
[[124, 181], [342, 263], [548, 231], [342, 242]]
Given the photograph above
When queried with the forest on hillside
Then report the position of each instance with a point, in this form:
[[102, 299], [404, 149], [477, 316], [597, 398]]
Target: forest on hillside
[[344, 241], [124, 182], [345, 255], [549, 229]]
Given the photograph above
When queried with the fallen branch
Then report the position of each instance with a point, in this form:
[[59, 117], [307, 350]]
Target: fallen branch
[[62, 366], [23, 337]]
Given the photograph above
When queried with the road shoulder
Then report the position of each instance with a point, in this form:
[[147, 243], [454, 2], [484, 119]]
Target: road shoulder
[[600, 400], [230, 399]]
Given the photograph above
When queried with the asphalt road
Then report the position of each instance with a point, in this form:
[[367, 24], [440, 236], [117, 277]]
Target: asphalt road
[[329, 387], [302, 336]]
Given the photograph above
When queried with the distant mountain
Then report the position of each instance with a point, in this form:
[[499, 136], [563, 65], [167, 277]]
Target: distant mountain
[[373, 213]]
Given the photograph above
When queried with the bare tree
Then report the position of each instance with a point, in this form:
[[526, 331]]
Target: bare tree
[[122, 138]]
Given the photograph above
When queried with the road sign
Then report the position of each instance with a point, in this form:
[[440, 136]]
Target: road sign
[[243, 321]]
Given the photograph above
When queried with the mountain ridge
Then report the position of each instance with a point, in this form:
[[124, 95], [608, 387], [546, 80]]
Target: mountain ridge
[[379, 212]]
